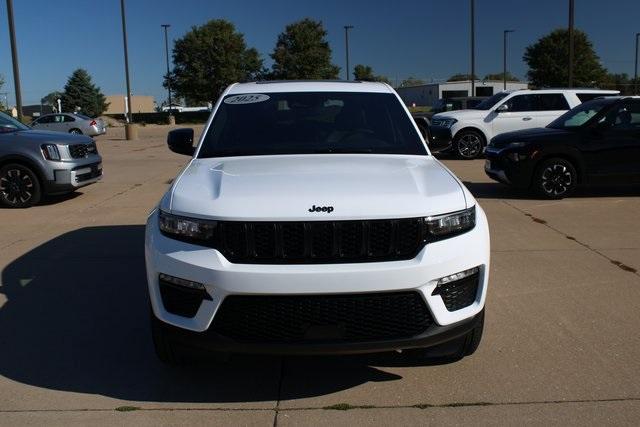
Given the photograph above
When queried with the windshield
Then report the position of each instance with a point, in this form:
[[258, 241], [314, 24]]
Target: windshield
[[579, 115], [311, 122], [490, 102], [9, 124]]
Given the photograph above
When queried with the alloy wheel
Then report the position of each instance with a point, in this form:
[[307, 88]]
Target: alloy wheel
[[16, 186], [556, 179], [469, 146]]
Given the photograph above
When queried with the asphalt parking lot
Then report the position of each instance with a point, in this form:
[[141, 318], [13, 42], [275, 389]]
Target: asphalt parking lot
[[561, 342]]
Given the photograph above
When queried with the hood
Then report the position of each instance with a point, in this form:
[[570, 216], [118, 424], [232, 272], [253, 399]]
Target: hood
[[462, 114], [526, 135], [51, 137], [287, 187]]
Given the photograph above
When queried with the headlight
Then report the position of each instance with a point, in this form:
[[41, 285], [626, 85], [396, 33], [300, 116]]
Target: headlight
[[443, 226], [183, 228], [445, 121], [50, 151]]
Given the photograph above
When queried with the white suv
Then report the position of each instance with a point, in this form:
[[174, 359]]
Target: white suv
[[471, 130], [313, 219]]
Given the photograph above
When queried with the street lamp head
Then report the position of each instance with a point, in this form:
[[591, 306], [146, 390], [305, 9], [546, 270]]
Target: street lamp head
[[165, 25], [509, 31], [348, 27]]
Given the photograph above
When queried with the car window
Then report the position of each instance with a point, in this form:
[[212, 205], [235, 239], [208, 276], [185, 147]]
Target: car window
[[521, 103], [68, 119], [311, 122], [45, 119], [581, 115], [584, 97], [625, 116], [552, 102]]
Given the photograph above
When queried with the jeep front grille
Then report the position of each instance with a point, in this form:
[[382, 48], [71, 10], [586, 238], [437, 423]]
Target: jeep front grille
[[320, 241], [79, 151]]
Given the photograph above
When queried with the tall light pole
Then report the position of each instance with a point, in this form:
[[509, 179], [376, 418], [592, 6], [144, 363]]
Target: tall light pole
[[504, 57], [129, 127], [635, 73], [571, 13], [166, 49], [346, 47], [14, 59], [473, 48]]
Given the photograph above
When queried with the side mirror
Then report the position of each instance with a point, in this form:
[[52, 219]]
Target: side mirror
[[502, 108], [181, 141]]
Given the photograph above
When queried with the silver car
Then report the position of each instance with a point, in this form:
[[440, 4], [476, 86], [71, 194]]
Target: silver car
[[70, 123], [34, 163]]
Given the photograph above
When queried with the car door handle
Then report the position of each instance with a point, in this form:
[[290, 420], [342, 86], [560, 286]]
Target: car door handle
[[526, 119]]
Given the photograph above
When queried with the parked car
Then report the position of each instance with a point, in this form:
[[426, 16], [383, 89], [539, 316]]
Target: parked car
[[596, 142], [423, 119], [70, 122], [311, 218], [34, 163], [470, 130]]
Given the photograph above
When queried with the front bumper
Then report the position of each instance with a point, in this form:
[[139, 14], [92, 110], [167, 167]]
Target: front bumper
[[222, 279], [440, 138], [508, 167], [69, 176]]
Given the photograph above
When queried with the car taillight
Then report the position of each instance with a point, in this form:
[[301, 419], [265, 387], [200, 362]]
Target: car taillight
[[93, 123]]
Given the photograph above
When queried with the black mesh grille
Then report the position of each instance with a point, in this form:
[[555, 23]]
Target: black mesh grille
[[180, 300], [79, 151], [320, 241], [459, 294], [317, 318]]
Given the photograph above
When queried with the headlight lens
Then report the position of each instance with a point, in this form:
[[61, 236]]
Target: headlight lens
[[445, 121], [50, 151], [448, 225], [183, 228]]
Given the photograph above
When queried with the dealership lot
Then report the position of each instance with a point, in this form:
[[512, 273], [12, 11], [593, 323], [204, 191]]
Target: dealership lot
[[561, 343]]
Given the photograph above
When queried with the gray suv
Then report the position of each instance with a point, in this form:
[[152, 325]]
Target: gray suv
[[34, 163]]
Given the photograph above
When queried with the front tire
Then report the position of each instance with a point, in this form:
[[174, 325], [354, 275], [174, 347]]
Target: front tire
[[19, 186], [555, 179], [468, 144]]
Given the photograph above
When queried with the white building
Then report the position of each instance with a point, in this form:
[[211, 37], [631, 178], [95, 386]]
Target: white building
[[429, 94]]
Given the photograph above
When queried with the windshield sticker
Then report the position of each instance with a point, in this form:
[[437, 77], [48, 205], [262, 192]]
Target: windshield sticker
[[247, 98]]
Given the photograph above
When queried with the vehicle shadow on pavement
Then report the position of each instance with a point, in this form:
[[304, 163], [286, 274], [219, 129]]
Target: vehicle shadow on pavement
[[77, 319], [495, 190]]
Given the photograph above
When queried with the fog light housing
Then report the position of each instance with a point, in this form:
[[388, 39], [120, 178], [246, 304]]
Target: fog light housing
[[181, 282], [458, 290]]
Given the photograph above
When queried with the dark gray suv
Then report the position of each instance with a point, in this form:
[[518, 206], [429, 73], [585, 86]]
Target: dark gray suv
[[36, 163]]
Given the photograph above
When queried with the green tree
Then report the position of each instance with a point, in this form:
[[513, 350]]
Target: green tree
[[302, 52], [208, 59], [81, 93], [498, 76], [461, 77], [365, 73], [548, 61], [621, 82], [411, 81]]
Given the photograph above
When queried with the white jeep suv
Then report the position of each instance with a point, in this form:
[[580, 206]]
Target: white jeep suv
[[470, 131], [313, 219]]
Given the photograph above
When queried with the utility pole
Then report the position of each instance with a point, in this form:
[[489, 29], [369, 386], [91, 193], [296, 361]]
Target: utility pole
[[473, 48], [14, 59], [346, 47], [172, 120], [635, 74], [130, 130], [504, 57], [571, 13]]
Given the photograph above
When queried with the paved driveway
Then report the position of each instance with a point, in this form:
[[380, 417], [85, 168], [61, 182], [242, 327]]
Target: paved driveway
[[561, 343]]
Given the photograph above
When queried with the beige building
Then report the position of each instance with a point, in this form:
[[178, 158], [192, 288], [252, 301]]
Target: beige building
[[139, 104]]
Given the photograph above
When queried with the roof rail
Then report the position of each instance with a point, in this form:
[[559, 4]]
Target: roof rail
[[265, 82]]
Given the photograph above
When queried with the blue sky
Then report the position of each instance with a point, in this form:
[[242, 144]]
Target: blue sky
[[427, 38]]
